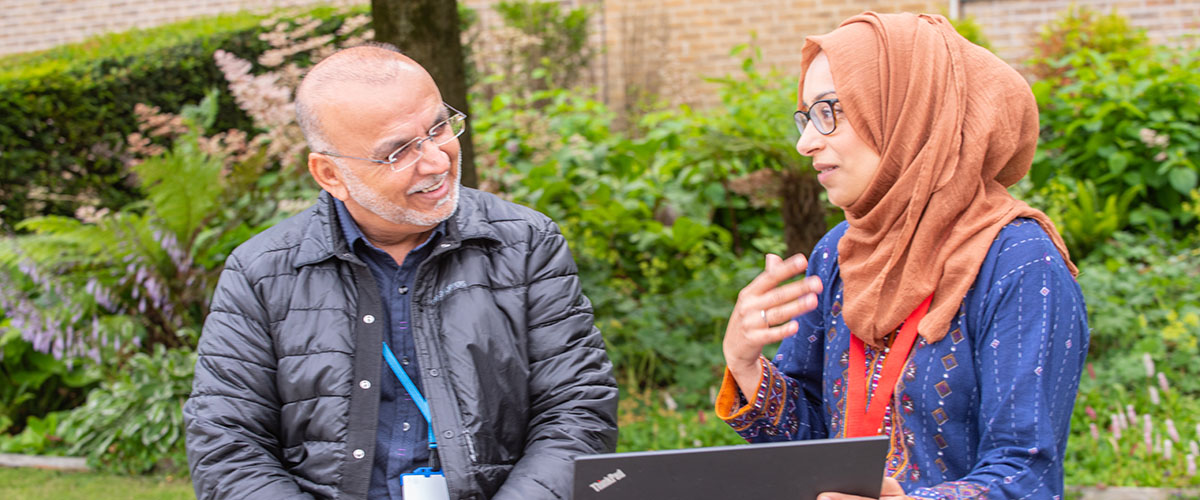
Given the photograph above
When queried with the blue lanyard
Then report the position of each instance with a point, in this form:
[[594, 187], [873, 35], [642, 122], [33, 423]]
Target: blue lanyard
[[409, 386]]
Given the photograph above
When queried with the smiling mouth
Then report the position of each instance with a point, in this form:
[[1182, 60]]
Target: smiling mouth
[[823, 168], [432, 188]]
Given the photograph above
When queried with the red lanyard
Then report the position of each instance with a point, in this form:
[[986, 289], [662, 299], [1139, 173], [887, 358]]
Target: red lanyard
[[860, 420]]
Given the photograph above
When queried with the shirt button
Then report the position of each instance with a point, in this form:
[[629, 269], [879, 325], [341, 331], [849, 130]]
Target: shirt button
[[405, 361], [368, 319], [365, 384], [359, 454], [405, 427], [433, 372], [448, 434], [403, 290]]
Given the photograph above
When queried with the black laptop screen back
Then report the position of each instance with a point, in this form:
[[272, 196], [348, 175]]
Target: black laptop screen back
[[792, 470]]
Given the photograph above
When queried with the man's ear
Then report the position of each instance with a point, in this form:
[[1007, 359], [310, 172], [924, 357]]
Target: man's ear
[[328, 175]]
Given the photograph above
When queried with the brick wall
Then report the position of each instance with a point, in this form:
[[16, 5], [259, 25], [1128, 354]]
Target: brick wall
[[664, 47], [29, 25], [1013, 25], [669, 47]]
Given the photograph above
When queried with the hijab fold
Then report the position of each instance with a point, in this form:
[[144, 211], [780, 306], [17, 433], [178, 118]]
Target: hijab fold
[[954, 126]]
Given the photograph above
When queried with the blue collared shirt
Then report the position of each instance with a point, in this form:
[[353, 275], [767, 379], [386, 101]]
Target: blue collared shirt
[[401, 440]]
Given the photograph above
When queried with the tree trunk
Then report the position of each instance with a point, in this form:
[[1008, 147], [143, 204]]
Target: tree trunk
[[428, 32], [803, 212]]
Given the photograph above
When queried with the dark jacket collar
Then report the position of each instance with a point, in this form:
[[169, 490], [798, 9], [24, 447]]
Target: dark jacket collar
[[323, 236]]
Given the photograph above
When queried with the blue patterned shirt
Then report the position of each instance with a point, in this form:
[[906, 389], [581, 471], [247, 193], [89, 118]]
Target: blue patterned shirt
[[401, 439], [982, 413]]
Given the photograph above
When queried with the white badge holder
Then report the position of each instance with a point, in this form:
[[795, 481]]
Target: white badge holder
[[424, 484]]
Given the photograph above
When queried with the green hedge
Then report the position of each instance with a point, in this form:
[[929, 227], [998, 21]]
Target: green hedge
[[65, 113]]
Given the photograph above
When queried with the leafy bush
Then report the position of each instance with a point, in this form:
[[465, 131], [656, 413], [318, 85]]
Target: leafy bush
[[1083, 218], [34, 383], [648, 424], [1079, 29], [1136, 420], [1143, 296], [114, 291], [134, 423], [40, 437], [638, 216], [749, 148], [64, 114], [1123, 128], [539, 46], [1123, 118], [100, 288]]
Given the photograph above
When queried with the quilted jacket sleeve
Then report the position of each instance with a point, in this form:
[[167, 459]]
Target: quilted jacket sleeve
[[232, 417], [572, 390]]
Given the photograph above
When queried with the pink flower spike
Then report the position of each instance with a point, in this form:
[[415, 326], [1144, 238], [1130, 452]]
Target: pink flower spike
[[1162, 382], [1154, 395], [1091, 413], [1193, 447], [1172, 431], [1147, 433], [1095, 431], [1191, 465], [1149, 364], [1168, 447]]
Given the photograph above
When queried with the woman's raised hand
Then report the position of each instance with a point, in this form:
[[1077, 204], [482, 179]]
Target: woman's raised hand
[[763, 315]]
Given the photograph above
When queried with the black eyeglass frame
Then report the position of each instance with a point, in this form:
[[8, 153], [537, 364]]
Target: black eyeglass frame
[[416, 142], [802, 117]]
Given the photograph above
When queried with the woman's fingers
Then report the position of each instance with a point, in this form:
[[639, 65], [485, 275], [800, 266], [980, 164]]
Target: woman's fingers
[[779, 304], [777, 271], [771, 335], [761, 306]]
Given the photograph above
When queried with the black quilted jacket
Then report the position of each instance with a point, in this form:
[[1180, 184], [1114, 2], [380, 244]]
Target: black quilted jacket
[[285, 398]]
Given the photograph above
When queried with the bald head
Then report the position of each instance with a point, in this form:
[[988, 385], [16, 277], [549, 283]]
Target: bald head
[[354, 69]]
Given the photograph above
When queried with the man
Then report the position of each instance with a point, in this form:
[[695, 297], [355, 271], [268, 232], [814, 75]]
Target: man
[[476, 299]]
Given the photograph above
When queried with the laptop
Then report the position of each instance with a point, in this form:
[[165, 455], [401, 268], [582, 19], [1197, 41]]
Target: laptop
[[795, 469]]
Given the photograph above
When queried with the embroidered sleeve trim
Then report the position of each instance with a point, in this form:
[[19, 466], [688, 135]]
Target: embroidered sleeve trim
[[767, 404], [730, 402]]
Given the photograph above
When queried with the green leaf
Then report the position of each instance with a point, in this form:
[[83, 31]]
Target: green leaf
[[1118, 161], [1183, 179]]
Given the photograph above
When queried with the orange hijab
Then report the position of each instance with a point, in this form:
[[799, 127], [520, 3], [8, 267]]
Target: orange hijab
[[954, 126]]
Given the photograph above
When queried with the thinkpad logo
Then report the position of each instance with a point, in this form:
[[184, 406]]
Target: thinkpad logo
[[607, 480]]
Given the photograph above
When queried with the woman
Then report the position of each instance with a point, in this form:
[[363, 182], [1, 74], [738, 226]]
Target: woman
[[915, 134]]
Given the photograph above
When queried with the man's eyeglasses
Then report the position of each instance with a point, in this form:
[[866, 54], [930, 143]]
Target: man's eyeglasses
[[821, 113], [411, 152]]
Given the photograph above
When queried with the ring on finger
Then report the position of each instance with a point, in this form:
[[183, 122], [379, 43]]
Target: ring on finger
[[763, 313]]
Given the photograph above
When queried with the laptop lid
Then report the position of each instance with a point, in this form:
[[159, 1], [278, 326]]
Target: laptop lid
[[795, 469]]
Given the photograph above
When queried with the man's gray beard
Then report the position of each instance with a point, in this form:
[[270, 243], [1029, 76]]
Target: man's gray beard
[[379, 205]]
